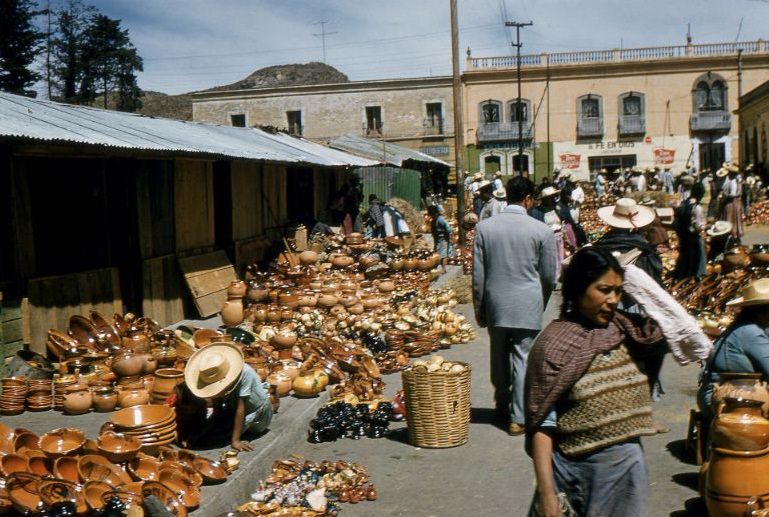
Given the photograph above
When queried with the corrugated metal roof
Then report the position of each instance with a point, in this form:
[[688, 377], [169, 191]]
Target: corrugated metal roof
[[383, 152], [56, 122]]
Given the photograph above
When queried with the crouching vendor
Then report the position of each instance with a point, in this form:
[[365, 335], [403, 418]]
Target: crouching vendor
[[222, 398]]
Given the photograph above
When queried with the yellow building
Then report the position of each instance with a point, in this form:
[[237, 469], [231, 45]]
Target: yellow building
[[753, 114], [664, 106]]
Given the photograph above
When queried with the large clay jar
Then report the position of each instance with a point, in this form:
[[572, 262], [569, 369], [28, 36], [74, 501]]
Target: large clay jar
[[77, 400], [740, 385], [104, 399], [258, 292], [166, 380], [149, 365], [232, 312], [132, 395], [236, 289], [288, 299], [260, 313], [733, 478], [740, 426], [281, 382]]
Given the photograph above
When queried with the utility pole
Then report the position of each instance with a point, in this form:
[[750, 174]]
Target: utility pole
[[518, 110], [323, 35], [739, 73], [459, 131], [48, 50]]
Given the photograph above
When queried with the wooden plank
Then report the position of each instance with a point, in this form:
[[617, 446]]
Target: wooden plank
[[11, 331], [207, 277], [22, 219], [246, 200], [250, 251], [26, 320], [193, 204], [162, 293]]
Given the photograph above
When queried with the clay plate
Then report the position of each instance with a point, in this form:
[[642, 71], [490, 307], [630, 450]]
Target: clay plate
[[98, 468], [142, 416]]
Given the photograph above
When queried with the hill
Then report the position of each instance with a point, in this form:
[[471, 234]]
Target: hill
[[287, 75]]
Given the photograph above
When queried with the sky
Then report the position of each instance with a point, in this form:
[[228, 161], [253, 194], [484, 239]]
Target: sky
[[190, 45]]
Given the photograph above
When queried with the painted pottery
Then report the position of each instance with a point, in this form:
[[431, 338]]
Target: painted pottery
[[740, 385], [282, 383], [127, 364]]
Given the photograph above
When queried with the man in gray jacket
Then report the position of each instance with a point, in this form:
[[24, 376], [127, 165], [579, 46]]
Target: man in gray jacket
[[513, 277]]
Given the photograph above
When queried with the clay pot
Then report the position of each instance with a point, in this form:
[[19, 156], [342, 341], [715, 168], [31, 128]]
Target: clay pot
[[386, 286], [733, 478], [236, 289], [740, 426], [282, 383], [165, 355], [327, 300], [118, 448], [289, 367], [307, 300], [310, 384], [366, 261], [62, 442], [232, 312], [77, 400], [283, 339], [260, 313], [356, 309], [348, 300], [104, 399], [137, 342], [396, 264], [66, 468], [740, 385], [258, 292], [308, 257], [288, 299], [166, 380], [341, 261], [127, 364], [132, 395], [273, 314], [149, 364], [410, 264]]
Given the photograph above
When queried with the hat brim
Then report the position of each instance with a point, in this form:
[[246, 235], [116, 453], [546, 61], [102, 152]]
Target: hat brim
[[550, 194], [500, 194], [742, 302], [200, 389], [722, 172], [643, 217]]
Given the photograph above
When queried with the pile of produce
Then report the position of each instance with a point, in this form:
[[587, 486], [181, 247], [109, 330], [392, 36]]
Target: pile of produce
[[758, 213], [308, 489]]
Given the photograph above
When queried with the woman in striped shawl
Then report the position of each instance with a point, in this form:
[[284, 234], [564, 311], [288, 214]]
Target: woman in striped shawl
[[587, 397]]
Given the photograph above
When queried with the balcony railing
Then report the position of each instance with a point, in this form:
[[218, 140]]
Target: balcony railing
[[589, 127], [495, 131], [632, 125], [433, 126], [711, 121], [618, 55]]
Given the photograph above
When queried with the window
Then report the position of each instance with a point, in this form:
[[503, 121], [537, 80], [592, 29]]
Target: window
[[517, 111], [631, 106], [591, 108], [490, 112], [434, 115], [373, 120], [631, 114], [294, 122], [238, 120], [709, 93]]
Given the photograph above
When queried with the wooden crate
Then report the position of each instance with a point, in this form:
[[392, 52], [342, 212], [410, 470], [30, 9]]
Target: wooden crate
[[207, 277]]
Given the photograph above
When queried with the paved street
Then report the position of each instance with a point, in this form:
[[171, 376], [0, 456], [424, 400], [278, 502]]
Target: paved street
[[492, 475]]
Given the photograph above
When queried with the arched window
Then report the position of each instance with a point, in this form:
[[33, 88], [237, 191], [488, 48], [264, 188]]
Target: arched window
[[632, 106], [710, 93], [490, 112], [589, 115], [513, 110]]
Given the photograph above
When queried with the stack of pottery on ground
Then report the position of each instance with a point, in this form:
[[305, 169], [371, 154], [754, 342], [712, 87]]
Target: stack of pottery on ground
[[340, 316], [734, 480], [63, 471], [14, 395], [151, 425]]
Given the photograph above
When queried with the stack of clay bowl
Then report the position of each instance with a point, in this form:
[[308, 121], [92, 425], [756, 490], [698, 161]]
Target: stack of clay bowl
[[152, 425], [39, 394], [60, 386], [13, 396]]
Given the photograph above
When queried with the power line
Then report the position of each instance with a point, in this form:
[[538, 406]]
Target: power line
[[323, 35]]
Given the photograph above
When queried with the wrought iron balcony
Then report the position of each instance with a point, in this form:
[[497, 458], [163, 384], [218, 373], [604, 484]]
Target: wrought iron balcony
[[587, 127], [433, 126], [632, 125], [711, 121], [495, 131]]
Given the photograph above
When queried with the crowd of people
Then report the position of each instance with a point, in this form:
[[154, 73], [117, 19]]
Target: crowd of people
[[557, 383]]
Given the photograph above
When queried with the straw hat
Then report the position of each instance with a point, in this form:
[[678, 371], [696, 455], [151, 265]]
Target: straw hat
[[720, 228], [626, 213], [755, 293], [498, 174], [603, 171], [500, 193], [548, 191], [731, 167], [722, 172], [647, 201], [478, 176], [214, 370], [485, 184]]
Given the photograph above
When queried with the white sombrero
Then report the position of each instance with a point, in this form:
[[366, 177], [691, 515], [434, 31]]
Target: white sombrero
[[500, 193], [720, 228], [213, 370], [755, 293], [548, 191], [627, 214]]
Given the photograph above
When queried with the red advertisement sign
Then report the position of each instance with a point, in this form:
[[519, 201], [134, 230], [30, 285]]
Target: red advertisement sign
[[664, 156], [570, 160]]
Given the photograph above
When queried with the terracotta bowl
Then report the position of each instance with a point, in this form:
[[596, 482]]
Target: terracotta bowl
[[62, 442], [118, 448], [53, 491], [142, 416], [189, 474], [106, 330], [188, 493], [144, 468], [129, 499], [23, 491], [66, 468], [40, 466], [93, 492], [81, 329], [202, 337], [211, 471], [12, 463], [93, 467], [166, 496], [26, 440]]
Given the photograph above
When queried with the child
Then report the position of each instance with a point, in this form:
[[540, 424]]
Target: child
[[222, 397]]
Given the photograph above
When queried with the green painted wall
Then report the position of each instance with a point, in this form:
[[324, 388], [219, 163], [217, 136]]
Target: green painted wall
[[541, 167]]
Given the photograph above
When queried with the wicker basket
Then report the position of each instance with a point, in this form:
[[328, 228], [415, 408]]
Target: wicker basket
[[438, 405]]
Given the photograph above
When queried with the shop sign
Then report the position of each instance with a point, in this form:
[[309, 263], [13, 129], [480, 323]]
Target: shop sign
[[570, 160], [502, 146], [441, 150], [664, 156], [611, 147]]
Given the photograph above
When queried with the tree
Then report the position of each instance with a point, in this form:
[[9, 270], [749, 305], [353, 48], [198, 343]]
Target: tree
[[109, 64], [20, 44], [72, 21]]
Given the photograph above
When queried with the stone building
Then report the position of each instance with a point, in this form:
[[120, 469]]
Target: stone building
[[666, 106], [416, 113], [753, 114]]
